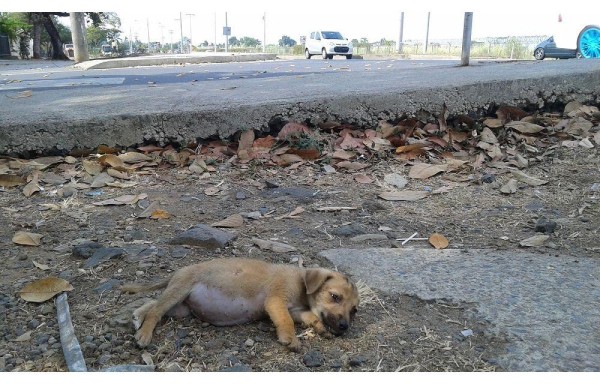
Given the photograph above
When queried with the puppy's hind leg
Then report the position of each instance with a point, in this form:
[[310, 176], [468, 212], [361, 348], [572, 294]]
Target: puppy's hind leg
[[140, 314], [174, 294]]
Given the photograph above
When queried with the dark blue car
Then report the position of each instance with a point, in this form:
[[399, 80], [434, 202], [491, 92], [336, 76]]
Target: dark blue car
[[588, 46]]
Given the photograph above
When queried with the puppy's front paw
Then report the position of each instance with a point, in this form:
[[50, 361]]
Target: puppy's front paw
[[294, 345], [143, 338], [327, 335]]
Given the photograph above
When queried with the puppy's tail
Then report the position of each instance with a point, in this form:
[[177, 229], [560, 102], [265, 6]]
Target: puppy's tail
[[137, 288]]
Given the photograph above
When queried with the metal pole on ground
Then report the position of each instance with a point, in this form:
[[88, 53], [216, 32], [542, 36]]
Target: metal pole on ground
[[78, 31], [190, 15], [264, 32], [466, 40], [226, 36], [181, 33], [148, 28]]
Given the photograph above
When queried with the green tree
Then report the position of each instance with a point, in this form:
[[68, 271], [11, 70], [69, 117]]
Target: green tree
[[286, 41], [249, 42], [233, 41]]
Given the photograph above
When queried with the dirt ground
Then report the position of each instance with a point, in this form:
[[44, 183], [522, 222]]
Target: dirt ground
[[470, 204]]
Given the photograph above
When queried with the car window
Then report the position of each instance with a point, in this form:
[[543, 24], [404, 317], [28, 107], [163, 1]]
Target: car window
[[312, 35], [332, 35], [318, 36]]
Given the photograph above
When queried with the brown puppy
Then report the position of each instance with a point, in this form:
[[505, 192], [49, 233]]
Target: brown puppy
[[237, 291]]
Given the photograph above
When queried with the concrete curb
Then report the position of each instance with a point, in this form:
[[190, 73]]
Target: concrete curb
[[173, 60]]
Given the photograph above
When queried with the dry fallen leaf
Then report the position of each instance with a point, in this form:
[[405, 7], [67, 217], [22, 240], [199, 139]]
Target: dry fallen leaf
[[8, 181], [534, 241], [273, 245], [33, 186], [27, 238], [234, 221], [160, 214], [404, 195], [41, 266], [362, 178], [292, 129], [134, 157], [211, 191], [510, 187], [438, 241], [44, 289], [352, 166], [528, 179], [123, 200], [525, 127], [409, 147], [424, 170], [92, 167], [115, 162]]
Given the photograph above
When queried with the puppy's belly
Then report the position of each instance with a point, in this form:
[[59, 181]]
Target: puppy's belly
[[213, 306]]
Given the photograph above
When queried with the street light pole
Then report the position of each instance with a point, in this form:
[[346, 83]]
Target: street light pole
[[264, 32], [171, 32], [190, 15], [181, 32], [148, 27]]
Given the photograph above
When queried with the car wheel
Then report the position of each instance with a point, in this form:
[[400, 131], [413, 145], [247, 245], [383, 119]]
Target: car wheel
[[588, 42], [307, 54], [539, 54], [324, 54], [348, 57]]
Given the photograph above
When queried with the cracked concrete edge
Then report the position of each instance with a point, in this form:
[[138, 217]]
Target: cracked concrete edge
[[59, 136]]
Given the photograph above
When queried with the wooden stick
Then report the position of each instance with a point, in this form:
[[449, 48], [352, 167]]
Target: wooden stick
[[68, 340]]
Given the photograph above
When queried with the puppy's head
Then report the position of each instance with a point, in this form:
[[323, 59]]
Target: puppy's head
[[332, 297]]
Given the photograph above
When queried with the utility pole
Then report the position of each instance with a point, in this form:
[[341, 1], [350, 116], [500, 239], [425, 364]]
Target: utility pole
[[215, 45], [148, 28], [181, 33], [427, 34], [190, 15], [466, 40], [264, 32], [78, 31], [401, 38], [226, 36], [171, 32]]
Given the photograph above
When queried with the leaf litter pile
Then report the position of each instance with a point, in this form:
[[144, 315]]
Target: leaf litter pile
[[89, 221]]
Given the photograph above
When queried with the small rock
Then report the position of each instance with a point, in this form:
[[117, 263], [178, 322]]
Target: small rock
[[101, 255], [240, 195], [335, 364], [252, 215], [368, 237], [466, 333], [348, 230], [313, 359], [373, 206], [237, 368], [295, 192], [545, 226], [395, 180], [488, 178], [249, 343], [329, 169], [271, 184], [357, 361], [107, 286], [33, 324], [595, 187], [204, 236], [173, 367]]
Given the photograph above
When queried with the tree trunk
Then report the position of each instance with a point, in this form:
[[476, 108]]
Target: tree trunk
[[57, 51], [37, 38]]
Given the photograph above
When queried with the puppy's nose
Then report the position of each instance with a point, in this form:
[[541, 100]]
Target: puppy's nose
[[343, 325]]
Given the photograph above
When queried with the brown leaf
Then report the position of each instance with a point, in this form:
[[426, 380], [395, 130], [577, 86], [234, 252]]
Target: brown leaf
[[438, 140], [114, 162], [424, 170], [198, 166], [438, 241], [149, 148], [118, 174], [352, 166], [105, 149], [246, 140], [92, 167], [493, 123], [340, 154], [524, 127], [404, 195], [211, 191], [123, 200], [362, 178], [534, 241], [234, 221], [507, 113], [409, 147], [293, 130], [8, 181], [306, 154], [27, 238], [44, 289], [134, 157], [510, 187], [328, 125], [350, 142], [263, 143], [287, 159], [160, 214]]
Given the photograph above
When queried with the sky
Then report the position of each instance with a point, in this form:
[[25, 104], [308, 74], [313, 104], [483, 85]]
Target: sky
[[372, 19]]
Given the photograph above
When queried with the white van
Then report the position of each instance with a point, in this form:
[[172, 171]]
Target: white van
[[327, 44]]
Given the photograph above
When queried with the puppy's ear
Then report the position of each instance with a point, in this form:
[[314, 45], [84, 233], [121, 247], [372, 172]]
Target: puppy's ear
[[314, 278]]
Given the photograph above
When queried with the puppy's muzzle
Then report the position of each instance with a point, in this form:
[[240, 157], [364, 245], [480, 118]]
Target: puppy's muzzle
[[337, 326]]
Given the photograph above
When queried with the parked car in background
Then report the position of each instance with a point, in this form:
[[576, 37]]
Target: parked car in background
[[586, 44], [327, 44]]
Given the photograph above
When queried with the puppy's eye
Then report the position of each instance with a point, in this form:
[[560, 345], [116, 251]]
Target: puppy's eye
[[335, 298]]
